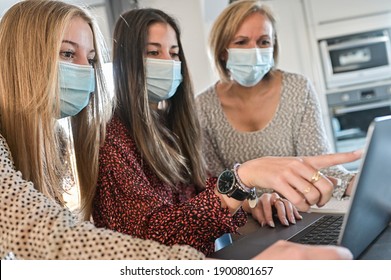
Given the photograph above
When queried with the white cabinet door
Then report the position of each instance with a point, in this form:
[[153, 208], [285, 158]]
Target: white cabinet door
[[334, 18], [328, 11]]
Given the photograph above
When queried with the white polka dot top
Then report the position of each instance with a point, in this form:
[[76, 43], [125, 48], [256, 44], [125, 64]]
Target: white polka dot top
[[34, 227]]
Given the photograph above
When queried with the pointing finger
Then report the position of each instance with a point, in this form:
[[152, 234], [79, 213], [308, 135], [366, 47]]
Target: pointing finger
[[324, 161]]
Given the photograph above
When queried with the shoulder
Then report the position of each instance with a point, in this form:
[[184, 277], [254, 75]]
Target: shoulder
[[295, 79], [5, 153], [118, 139], [11, 179], [116, 130], [208, 104], [297, 86], [208, 96]]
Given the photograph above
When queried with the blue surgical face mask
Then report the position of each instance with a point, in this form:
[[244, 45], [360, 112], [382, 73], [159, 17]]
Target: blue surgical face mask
[[163, 78], [76, 84], [249, 66]]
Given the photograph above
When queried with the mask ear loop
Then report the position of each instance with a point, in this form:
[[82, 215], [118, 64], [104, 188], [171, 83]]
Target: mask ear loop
[[225, 59]]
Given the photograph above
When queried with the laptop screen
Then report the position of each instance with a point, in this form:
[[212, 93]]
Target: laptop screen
[[370, 210], [368, 213]]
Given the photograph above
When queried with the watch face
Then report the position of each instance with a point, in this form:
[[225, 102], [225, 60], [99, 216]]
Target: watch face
[[226, 181]]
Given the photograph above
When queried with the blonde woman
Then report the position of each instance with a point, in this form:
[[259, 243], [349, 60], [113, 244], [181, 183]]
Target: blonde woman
[[256, 109], [50, 61]]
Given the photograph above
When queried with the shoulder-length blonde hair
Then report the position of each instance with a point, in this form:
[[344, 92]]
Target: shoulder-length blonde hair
[[170, 142], [31, 33], [226, 26]]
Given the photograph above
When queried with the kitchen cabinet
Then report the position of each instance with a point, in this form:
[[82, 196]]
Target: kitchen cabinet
[[325, 12], [333, 18]]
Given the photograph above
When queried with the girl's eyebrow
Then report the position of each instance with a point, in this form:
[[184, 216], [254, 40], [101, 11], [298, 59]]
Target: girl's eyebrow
[[76, 45], [154, 44], [159, 45], [71, 43]]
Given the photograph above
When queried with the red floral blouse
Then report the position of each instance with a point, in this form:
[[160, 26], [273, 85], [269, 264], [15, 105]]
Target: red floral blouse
[[131, 199]]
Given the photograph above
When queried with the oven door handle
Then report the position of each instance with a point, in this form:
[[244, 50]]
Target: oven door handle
[[344, 110], [358, 43]]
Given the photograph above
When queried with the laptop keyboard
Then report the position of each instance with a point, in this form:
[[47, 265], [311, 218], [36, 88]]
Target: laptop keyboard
[[323, 231]]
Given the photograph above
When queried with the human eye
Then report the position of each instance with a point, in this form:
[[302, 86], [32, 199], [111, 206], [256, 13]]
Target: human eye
[[92, 61], [67, 55], [240, 42], [264, 42], [174, 55], [152, 53]]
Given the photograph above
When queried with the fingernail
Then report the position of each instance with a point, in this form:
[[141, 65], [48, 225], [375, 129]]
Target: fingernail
[[292, 219], [285, 222], [263, 224], [271, 223], [345, 253]]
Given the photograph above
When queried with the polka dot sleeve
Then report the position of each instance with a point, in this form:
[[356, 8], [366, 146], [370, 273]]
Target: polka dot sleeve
[[33, 227]]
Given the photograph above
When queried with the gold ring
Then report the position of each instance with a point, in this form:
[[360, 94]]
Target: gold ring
[[307, 190], [315, 178], [277, 199]]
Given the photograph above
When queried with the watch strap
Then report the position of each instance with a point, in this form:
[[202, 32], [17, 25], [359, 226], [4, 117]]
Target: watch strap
[[239, 194]]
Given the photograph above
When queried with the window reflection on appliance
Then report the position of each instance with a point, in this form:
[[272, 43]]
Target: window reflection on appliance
[[348, 61]]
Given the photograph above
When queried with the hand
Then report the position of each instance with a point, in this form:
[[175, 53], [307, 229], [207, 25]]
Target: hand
[[338, 183], [263, 211], [285, 250], [293, 177], [349, 189]]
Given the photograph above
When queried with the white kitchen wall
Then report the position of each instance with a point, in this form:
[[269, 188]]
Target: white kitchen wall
[[5, 4]]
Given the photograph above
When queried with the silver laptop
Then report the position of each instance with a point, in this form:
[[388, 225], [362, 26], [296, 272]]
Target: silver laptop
[[368, 213]]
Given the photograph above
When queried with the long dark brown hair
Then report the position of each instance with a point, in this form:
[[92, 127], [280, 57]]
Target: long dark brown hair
[[169, 139]]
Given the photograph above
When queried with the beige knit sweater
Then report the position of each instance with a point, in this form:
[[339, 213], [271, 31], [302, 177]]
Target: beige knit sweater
[[296, 129]]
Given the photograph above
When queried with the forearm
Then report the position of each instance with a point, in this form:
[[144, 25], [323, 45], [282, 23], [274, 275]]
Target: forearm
[[38, 228], [228, 202], [177, 223]]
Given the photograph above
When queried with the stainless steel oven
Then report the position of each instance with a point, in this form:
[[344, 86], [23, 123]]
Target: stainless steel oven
[[352, 111], [356, 58]]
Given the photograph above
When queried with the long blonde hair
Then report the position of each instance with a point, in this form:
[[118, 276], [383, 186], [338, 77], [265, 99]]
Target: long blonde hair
[[30, 38]]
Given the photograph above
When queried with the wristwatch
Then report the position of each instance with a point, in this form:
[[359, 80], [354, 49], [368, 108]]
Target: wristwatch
[[230, 185]]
